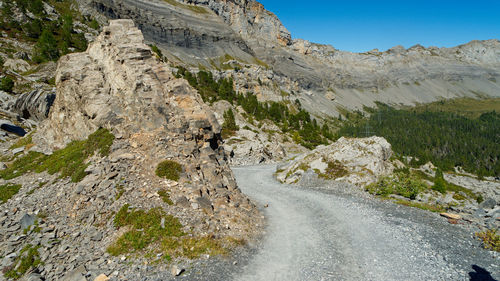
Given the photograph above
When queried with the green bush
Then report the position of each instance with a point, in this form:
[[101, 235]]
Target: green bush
[[408, 186], [7, 84], [169, 169]]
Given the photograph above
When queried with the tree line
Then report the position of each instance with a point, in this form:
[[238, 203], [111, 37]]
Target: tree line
[[446, 139]]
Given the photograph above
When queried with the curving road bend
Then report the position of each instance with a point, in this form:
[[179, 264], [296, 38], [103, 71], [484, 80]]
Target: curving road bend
[[324, 235]]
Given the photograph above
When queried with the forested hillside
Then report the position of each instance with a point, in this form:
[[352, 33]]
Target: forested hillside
[[445, 138], [288, 116]]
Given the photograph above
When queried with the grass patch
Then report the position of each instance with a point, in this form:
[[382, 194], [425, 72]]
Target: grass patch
[[25, 141], [169, 169], [165, 196], [8, 190], [467, 107], [490, 239], [193, 248], [146, 231], [334, 170], [196, 9], [423, 206], [146, 228], [70, 161], [28, 258]]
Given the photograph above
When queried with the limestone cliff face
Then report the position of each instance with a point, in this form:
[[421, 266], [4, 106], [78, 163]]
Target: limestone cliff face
[[249, 19], [118, 84]]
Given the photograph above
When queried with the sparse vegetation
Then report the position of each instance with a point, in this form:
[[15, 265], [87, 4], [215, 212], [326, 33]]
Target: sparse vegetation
[[287, 115], [406, 185], [169, 169], [70, 161], [490, 239], [146, 228], [24, 141], [8, 190], [158, 52], [7, 84], [28, 258], [196, 9], [422, 206], [165, 196], [334, 170], [120, 189]]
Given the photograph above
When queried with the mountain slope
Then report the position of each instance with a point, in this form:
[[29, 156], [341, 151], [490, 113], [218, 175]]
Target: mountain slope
[[215, 33]]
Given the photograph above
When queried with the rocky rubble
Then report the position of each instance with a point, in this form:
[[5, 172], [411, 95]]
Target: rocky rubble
[[119, 85], [356, 161]]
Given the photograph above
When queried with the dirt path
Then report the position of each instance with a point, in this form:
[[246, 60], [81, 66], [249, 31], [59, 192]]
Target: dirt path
[[319, 235]]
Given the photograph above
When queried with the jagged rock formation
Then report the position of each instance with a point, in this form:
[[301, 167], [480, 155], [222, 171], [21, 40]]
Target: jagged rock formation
[[356, 161], [327, 80], [34, 105], [118, 84]]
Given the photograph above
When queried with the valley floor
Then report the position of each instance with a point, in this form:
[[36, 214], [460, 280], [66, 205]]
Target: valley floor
[[327, 235]]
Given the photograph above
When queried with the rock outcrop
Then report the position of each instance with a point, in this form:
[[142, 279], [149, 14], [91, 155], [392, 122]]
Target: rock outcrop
[[34, 105], [356, 161], [118, 84]]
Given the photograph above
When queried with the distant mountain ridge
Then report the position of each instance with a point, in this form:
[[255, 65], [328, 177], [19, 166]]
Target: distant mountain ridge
[[214, 33]]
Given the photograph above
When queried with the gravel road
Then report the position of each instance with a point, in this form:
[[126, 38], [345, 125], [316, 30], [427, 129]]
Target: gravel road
[[328, 235]]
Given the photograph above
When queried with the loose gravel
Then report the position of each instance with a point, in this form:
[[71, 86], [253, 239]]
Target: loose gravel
[[330, 235]]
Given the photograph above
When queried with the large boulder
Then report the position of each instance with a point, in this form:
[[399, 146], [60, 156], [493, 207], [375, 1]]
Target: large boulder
[[359, 161]]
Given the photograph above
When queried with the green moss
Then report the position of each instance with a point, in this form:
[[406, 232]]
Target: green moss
[[334, 170], [169, 169], [8, 190], [146, 228], [28, 258], [70, 161], [165, 196]]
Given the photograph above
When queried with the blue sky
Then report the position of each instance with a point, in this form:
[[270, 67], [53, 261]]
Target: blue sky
[[360, 26]]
